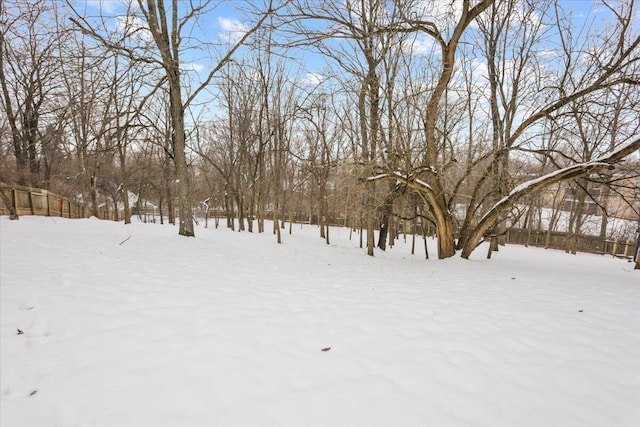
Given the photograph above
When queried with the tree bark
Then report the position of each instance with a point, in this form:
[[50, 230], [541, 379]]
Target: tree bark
[[166, 40], [13, 215]]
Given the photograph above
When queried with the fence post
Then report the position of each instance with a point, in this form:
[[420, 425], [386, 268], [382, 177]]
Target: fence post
[[14, 196], [636, 249], [33, 212], [615, 247], [626, 249]]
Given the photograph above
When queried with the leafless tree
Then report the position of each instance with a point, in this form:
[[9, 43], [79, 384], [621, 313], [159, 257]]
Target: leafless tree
[[365, 35], [29, 79], [587, 72], [166, 23]]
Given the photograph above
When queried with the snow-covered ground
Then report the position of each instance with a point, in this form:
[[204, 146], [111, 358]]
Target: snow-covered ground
[[137, 326]]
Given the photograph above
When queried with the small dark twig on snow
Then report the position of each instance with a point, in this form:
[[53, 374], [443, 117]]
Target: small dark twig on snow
[[120, 244]]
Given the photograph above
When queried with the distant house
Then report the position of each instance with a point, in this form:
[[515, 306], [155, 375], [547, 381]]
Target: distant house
[[618, 203]]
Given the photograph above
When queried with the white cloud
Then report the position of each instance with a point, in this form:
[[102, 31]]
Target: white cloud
[[132, 25], [421, 45], [192, 66], [443, 13], [480, 70], [313, 79], [232, 29]]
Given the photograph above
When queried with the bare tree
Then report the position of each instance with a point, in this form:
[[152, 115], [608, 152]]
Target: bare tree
[[166, 24], [323, 140], [363, 28], [29, 70]]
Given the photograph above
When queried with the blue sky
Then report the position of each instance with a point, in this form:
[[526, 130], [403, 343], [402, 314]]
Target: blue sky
[[227, 20]]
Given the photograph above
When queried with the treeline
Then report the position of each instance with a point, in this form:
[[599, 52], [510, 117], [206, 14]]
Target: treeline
[[463, 116]]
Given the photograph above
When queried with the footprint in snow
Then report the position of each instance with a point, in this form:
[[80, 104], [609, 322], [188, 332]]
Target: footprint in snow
[[29, 304]]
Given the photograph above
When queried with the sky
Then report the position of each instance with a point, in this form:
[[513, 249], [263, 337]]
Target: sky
[[227, 21]]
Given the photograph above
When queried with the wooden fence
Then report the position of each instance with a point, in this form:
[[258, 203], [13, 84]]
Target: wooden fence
[[549, 240], [34, 201], [560, 240]]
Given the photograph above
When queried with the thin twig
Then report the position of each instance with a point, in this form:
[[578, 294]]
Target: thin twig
[[120, 244]]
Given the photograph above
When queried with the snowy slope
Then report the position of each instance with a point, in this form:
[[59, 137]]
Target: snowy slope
[[227, 329]]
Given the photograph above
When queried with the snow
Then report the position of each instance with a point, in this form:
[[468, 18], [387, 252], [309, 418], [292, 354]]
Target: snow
[[377, 177], [533, 182], [402, 177], [136, 326], [423, 184]]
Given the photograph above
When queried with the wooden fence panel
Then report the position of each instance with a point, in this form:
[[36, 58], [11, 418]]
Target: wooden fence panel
[[558, 240], [33, 201]]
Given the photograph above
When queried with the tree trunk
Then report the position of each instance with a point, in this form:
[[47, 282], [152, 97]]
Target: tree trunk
[[227, 209], [575, 221], [116, 212], [370, 215], [604, 201], [387, 211], [444, 232], [13, 215], [93, 196], [124, 185], [185, 213]]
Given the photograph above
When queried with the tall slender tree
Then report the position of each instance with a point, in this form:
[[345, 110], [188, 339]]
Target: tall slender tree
[[166, 24]]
